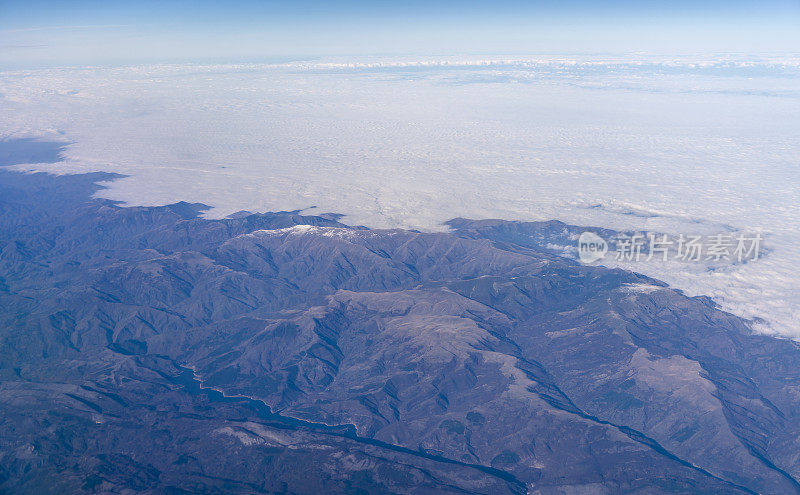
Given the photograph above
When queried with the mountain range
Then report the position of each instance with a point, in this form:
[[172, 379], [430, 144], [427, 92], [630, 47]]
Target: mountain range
[[152, 350]]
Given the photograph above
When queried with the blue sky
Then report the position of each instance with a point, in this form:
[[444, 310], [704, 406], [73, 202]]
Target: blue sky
[[41, 32]]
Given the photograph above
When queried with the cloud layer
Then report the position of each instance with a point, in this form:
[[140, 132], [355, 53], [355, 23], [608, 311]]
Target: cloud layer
[[682, 146]]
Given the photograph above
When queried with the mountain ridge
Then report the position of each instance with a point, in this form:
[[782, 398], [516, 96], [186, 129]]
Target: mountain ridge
[[474, 361]]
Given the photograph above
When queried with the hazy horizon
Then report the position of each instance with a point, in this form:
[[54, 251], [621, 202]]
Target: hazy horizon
[[48, 33]]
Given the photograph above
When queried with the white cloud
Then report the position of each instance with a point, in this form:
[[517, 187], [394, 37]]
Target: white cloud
[[678, 145]]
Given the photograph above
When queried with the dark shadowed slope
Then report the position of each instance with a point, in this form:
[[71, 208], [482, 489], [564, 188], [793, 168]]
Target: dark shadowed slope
[[147, 349]]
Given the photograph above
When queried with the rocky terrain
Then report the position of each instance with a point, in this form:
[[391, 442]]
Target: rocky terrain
[[149, 350]]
